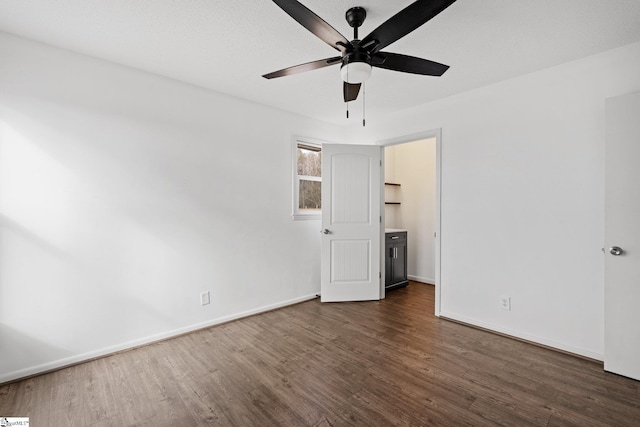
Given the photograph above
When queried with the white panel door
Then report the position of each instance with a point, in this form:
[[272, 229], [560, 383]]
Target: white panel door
[[351, 224], [622, 230]]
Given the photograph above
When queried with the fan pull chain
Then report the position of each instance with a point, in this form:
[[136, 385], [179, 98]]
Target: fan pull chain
[[347, 97], [363, 103]]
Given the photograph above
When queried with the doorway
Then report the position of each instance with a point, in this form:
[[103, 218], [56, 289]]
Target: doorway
[[412, 167]]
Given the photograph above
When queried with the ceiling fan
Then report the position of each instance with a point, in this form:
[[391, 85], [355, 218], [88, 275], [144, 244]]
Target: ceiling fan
[[358, 56]]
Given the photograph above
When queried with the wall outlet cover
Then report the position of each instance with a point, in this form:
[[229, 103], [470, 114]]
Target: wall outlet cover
[[205, 298]]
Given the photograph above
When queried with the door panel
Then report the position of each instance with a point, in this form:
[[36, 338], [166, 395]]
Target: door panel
[[622, 229], [352, 229], [350, 260], [351, 188]]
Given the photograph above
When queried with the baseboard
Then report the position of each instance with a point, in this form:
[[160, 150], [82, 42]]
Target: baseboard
[[532, 339], [130, 345], [421, 279]]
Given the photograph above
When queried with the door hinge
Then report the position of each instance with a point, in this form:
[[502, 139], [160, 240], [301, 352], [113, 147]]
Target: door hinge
[[380, 274], [434, 234], [380, 163], [380, 219]]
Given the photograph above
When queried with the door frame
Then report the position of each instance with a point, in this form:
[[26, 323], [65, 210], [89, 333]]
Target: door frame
[[403, 139]]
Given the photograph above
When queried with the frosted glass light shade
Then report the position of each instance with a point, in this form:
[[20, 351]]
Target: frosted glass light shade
[[358, 72]]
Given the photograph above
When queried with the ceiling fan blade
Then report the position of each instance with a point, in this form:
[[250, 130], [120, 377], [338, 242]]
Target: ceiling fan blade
[[408, 64], [314, 23], [350, 91], [404, 22], [321, 63]]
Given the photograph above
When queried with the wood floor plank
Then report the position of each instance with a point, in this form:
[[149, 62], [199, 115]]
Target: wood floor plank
[[8, 394], [507, 413], [67, 404], [30, 398], [378, 363], [98, 387], [205, 409], [265, 400]]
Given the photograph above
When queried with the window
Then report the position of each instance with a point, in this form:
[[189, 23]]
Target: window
[[307, 180]]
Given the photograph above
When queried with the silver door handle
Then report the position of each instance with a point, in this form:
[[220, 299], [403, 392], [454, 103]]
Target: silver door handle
[[326, 231], [616, 250], [395, 252]]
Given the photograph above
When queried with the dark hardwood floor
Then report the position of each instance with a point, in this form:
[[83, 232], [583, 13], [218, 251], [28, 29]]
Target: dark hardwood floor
[[384, 363]]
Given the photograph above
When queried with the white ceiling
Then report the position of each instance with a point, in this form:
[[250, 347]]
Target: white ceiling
[[226, 45]]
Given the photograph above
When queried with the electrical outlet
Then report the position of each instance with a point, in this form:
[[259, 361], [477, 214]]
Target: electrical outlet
[[505, 303], [205, 298]]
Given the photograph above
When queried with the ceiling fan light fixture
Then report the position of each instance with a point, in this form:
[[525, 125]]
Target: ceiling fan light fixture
[[355, 72]]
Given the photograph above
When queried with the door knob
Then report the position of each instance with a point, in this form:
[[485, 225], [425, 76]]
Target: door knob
[[326, 231], [615, 250]]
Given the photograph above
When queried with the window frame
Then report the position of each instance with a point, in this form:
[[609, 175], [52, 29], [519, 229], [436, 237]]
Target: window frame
[[313, 144]]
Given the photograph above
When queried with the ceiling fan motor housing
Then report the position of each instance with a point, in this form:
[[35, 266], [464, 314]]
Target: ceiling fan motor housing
[[356, 65], [356, 55]]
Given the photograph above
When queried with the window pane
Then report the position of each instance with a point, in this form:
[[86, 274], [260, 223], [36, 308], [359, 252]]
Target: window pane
[[309, 198], [309, 162]]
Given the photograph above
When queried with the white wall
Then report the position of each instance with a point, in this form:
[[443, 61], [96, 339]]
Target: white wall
[[413, 165], [522, 197], [123, 195]]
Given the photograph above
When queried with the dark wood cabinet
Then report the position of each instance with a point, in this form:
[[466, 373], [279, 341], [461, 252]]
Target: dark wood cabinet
[[395, 259]]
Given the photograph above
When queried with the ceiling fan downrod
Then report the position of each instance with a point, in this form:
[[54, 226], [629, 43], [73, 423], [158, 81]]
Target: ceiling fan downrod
[[355, 17]]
